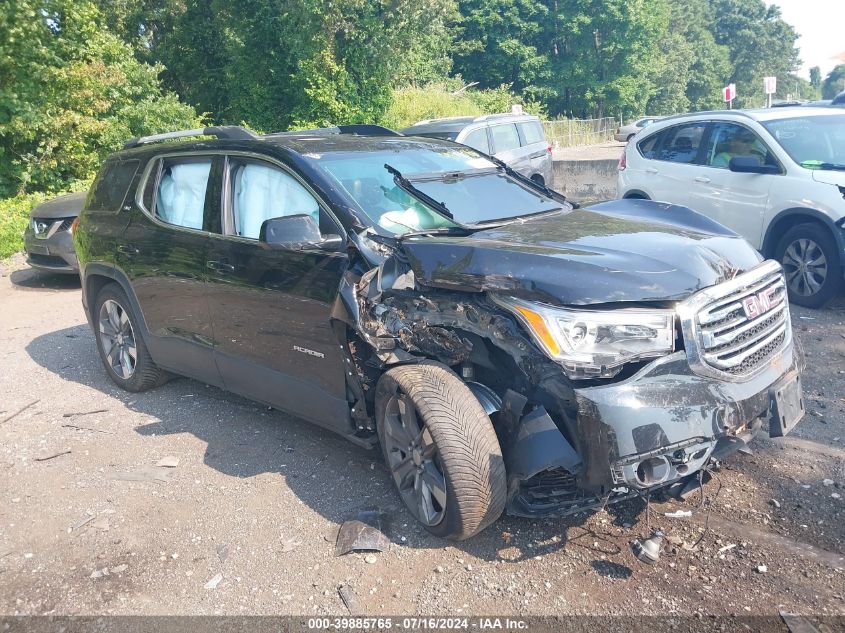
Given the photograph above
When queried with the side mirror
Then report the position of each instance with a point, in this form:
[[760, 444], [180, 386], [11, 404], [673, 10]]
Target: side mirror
[[297, 232], [751, 165]]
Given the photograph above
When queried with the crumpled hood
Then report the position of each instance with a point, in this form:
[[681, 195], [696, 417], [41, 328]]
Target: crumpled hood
[[829, 176], [625, 250]]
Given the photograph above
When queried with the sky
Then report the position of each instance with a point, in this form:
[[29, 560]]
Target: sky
[[821, 26]]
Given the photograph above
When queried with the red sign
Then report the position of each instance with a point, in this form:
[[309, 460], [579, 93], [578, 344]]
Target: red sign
[[729, 93]]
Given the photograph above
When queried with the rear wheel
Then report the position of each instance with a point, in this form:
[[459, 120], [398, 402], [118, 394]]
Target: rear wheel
[[122, 349], [811, 264], [441, 449]]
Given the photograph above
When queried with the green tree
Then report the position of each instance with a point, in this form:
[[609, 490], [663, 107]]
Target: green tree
[[760, 43], [693, 68], [834, 83], [602, 55], [72, 92], [816, 77], [497, 42]]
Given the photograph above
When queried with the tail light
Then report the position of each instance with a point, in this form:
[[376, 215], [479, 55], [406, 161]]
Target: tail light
[[623, 162], [74, 225]]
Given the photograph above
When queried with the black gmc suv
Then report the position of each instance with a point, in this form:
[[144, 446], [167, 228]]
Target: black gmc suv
[[507, 349]]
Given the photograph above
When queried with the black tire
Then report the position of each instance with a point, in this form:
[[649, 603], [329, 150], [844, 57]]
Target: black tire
[[818, 243], [468, 450], [145, 373]]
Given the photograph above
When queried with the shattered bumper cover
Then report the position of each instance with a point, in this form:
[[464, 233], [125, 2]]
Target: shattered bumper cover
[[660, 425]]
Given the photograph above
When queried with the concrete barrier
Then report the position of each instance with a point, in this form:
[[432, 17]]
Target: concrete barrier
[[586, 180]]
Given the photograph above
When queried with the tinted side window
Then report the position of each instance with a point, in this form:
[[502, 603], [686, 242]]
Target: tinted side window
[[532, 132], [109, 189], [477, 139], [505, 137], [681, 143], [261, 191], [180, 193], [648, 146]]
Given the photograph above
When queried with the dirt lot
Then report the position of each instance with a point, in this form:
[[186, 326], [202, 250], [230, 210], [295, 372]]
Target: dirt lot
[[257, 497]]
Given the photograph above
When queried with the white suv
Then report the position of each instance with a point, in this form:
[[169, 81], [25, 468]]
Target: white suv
[[775, 176]]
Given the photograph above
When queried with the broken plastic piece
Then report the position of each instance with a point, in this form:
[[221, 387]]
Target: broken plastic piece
[[648, 550], [678, 514], [357, 536]]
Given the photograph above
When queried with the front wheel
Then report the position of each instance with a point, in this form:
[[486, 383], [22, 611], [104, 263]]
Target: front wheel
[[811, 264], [441, 449]]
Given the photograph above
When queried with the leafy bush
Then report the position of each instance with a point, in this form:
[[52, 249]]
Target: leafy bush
[[14, 215], [410, 105]]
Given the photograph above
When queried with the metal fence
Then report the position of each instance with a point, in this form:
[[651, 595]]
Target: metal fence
[[573, 132]]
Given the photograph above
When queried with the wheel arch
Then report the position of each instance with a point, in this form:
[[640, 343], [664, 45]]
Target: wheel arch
[[790, 218], [95, 278], [636, 194]]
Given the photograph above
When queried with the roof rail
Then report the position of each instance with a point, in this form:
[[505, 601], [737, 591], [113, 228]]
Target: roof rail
[[222, 132], [498, 115], [368, 130]]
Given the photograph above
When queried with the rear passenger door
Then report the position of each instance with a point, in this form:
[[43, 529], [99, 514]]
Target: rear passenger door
[[671, 173], [163, 254]]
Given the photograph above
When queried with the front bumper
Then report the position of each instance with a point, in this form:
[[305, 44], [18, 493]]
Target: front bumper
[[54, 253], [660, 425]]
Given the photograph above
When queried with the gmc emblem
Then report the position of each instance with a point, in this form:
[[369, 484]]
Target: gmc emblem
[[762, 302]]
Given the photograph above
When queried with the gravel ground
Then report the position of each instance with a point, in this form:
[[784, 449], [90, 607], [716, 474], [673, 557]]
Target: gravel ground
[[246, 520]]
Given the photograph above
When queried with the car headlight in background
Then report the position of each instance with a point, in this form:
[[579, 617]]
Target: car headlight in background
[[595, 343]]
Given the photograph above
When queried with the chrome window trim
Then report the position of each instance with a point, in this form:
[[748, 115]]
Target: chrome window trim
[[689, 309]]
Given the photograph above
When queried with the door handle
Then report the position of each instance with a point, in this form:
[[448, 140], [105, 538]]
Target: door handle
[[650, 170], [128, 250], [703, 179], [220, 267]]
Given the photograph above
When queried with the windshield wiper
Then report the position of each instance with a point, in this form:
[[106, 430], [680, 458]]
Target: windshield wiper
[[405, 184], [442, 230], [510, 171], [817, 164]]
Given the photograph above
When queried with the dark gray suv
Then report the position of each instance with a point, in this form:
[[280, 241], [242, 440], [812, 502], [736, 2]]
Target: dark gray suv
[[47, 239]]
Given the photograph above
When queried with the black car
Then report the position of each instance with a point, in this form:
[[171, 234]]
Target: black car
[[506, 349]]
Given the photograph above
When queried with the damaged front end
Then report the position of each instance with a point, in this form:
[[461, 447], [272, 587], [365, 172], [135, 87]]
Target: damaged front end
[[573, 438]]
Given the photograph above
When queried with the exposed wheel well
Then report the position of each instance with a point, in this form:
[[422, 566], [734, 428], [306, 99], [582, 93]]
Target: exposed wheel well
[[636, 195], [781, 225], [538, 179], [93, 285]]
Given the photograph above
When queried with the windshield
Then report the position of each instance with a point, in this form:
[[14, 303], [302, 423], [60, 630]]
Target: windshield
[[811, 140], [470, 186]]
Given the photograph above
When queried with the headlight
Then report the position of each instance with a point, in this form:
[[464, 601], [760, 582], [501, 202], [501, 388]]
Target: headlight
[[594, 343]]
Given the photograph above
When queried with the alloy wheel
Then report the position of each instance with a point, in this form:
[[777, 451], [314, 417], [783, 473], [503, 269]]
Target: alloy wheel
[[414, 461], [118, 339], [805, 266]]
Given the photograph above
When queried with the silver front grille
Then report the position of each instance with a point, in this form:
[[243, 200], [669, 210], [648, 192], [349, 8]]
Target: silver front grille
[[735, 329], [48, 227]]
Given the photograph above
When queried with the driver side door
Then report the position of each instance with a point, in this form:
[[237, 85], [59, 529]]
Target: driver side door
[[736, 200], [271, 305]]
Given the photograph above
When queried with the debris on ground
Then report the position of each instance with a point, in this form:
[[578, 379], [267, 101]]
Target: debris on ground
[[19, 411], [168, 462], [86, 428], [223, 552], [119, 569], [70, 415], [81, 522], [290, 545], [726, 548], [762, 569], [370, 559], [774, 502], [362, 534], [827, 482], [648, 550], [212, 584], [54, 455], [348, 599], [678, 514]]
